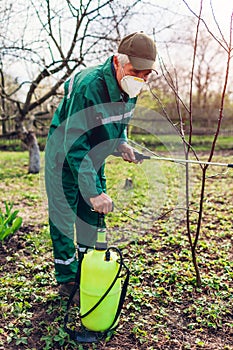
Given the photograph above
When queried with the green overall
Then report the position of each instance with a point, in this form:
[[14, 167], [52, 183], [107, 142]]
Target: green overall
[[88, 126]]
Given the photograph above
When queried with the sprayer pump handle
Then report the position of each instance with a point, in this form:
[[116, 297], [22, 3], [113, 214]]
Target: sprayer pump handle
[[101, 220]]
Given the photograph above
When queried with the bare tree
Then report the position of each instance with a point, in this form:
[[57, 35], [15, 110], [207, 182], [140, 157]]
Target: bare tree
[[198, 83], [55, 39], [227, 46]]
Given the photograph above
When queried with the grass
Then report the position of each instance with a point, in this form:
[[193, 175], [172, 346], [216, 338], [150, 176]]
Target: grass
[[154, 142], [163, 309], [169, 142]]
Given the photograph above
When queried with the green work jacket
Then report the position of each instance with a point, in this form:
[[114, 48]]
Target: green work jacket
[[89, 124]]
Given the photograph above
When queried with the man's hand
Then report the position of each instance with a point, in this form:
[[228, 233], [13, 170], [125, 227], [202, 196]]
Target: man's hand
[[102, 204], [127, 153]]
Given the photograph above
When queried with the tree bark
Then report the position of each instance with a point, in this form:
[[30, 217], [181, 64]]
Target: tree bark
[[30, 140]]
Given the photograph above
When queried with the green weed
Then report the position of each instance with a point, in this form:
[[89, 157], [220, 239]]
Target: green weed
[[10, 222]]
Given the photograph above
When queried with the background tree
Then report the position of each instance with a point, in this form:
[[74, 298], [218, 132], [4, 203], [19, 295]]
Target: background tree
[[206, 80], [49, 43], [200, 75]]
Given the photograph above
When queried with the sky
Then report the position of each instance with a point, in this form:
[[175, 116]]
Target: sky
[[222, 10], [168, 18], [171, 22], [171, 9]]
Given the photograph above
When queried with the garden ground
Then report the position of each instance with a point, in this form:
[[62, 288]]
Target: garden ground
[[164, 309]]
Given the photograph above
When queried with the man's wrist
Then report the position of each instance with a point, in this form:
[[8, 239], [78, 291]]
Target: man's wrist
[[122, 142]]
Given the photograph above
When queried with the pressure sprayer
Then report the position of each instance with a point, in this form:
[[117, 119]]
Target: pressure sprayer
[[102, 287]]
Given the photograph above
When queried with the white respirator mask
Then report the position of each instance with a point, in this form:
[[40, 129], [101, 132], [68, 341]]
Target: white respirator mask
[[132, 85]]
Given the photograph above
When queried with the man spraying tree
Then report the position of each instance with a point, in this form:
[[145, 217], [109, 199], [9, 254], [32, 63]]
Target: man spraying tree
[[89, 125]]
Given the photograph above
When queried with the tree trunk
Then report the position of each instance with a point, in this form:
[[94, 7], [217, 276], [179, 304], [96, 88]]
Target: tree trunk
[[30, 141]]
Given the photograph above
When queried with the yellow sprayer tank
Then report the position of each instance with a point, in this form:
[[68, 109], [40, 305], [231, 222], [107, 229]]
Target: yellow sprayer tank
[[97, 275]]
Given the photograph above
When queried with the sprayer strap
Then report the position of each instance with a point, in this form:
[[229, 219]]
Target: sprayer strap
[[73, 334], [122, 297], [74, 290]]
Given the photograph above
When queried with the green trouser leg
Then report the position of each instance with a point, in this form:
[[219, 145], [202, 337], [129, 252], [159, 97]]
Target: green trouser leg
[[65, 261], [62, 195], [86, 224], [68, 209]]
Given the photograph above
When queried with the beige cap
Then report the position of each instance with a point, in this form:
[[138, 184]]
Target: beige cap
[[141, 50]]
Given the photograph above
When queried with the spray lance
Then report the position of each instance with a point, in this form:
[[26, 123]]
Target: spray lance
[[102, 287], [139, 156]]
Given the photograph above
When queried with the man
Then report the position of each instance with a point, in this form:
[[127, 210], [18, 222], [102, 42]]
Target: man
[[89, 125]]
